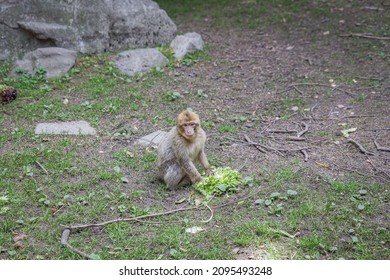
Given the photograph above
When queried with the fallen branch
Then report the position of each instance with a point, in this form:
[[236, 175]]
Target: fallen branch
[[304, 152], [359, 116], [256, 145], [64, 241], [73, 228], [291, 149], [361, 148], [365, 36], [281, 131], [67, 230], [306, 129], [292, 86], [278, 150], [298, 90], [379, 148]]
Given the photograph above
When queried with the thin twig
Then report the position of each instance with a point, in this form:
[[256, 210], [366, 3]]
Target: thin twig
[[365, 36], [320, 85], [379, 148], [256, 145], [41, 166], [298, 90], [132, 219], [64, 241], [67, 230], [312, 108], [291, 149], [361, 148], [281, 131], [306, 129], [359, 116], [304, 152], [212, 214]]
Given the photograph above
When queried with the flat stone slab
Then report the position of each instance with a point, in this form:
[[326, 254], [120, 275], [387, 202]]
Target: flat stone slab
[[151, 139], [139, 60], [69, 128]]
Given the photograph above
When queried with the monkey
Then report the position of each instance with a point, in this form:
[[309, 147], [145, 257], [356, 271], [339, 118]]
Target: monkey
[[180, 149]]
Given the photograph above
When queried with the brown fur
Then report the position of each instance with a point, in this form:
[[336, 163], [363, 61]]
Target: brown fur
[[180, 149]]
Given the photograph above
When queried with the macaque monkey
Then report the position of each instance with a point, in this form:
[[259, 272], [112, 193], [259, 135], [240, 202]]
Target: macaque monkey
[[180, 149]]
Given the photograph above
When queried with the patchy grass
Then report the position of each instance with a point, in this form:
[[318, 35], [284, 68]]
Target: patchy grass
[[334, 206]]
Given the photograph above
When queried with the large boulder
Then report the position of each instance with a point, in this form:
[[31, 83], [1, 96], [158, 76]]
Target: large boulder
[[139, 60], [56, 61], [86, 26]]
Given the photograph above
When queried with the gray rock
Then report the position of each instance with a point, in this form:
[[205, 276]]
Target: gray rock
[[151, 139], [86, 26], [139, 60], [186, 43], [73, 128], [56, 61]]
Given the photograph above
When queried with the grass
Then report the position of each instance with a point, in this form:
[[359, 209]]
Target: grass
[[292, 210]]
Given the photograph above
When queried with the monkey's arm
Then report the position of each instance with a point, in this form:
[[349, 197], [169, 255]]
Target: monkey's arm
[[203, 160], [190, 169], [185, 162]]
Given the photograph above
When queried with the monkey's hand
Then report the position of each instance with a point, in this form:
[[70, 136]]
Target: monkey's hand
[[196, 179], [209, 172]]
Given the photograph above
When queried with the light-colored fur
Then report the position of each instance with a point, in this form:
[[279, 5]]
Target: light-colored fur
[[177, 156]]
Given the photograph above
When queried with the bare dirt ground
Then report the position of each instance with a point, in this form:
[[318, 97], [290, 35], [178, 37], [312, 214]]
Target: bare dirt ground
[[315, 75]]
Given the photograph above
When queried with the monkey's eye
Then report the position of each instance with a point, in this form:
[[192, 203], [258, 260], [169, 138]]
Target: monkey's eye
[[190, 124]]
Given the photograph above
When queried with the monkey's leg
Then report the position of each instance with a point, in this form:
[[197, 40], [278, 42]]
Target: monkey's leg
[[175, 177], [184, 181]]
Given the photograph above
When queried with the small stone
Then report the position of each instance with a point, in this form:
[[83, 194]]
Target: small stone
[[186, 43]]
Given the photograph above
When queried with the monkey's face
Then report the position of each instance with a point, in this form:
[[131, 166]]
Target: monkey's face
[[189, 130], [187, 124]]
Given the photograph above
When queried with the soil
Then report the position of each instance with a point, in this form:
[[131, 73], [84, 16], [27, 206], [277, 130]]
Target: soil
[[273, 82]]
